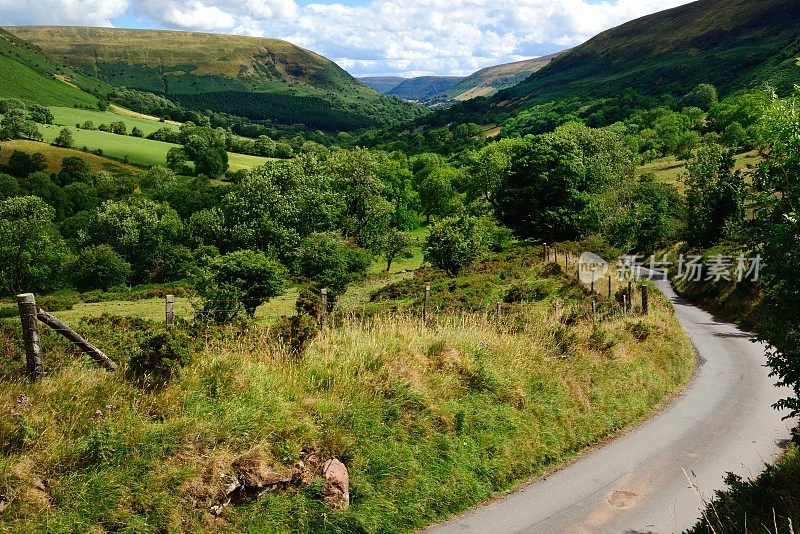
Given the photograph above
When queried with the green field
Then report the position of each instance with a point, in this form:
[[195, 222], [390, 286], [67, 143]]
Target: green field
[[71, 116], [671, 170], [140, 151]]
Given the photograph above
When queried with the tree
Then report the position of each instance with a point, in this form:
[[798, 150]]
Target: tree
[[455, 243], [211, 161], [33, 251], [9, 187], [98, 268], [777, 227], [253, 276], [136, 132], [135, 228], [64, 138], [16, 125], [40, 114], [436, 191], [326, 260], [118, 128], [703, 96], [715, 194], [397, 245], [74, 169], [177, 161], [23, 164]]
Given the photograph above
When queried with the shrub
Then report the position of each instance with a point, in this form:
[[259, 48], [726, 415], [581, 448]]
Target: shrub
[[297, 331], [161, 354]]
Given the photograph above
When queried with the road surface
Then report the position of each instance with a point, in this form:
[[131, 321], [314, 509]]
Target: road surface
[[640, 483]]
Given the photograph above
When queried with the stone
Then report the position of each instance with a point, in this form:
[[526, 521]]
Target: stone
[[336, 490]]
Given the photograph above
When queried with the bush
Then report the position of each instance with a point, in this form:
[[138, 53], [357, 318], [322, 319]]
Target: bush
[[296, 332], [161, 354], [98, 267]]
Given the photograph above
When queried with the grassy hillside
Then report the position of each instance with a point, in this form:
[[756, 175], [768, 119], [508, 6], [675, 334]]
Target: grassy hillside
[[382, 84], [733, 44], [55, 155], [490, 80], [247, 76], [28, 74], [428, 419], [424, 88]]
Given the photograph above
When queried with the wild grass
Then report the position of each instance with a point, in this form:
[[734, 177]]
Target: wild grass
[[429, 419]]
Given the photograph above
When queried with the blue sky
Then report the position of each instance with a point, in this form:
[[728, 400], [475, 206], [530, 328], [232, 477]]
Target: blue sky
[[367, 37]]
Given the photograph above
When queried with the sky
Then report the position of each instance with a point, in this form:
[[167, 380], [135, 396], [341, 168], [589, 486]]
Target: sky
[[366, 37]]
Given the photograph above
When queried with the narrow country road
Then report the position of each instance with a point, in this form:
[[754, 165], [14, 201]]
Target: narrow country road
[[640, 483]]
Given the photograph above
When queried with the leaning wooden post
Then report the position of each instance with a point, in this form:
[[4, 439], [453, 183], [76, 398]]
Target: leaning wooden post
[[609, 286], [170, 309], [323, 315], [426, 303], [594, 310], [645, 301], [62, 328], [593, 282], [34, 365]]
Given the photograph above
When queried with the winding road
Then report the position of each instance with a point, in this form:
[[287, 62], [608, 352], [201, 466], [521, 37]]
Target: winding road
[[650, 480]]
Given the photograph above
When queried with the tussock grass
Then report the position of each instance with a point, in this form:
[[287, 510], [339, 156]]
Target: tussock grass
[[430, 419]]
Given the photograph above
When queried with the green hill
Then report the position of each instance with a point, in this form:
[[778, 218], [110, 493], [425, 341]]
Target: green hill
[[29, 74], [423, 88], [246, 76], [490, 80], [733, 44]]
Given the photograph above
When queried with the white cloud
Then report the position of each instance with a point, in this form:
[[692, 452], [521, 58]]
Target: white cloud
[[409, 37], [61, 12]]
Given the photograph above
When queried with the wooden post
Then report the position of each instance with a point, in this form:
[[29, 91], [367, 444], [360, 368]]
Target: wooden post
[[592, 282], [170, 310], [426, 302], [323, 316], [566, 262], [545, 254], [34, 365], [594, 310], [645, 301], [555, 255], [625, 304], [498, 309], [62, 328], [609, 286], [630, 292]]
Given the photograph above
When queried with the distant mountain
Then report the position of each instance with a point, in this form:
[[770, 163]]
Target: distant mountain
[[246, 76], [733, 44], [423, 88], [490, 80], [382, 84]]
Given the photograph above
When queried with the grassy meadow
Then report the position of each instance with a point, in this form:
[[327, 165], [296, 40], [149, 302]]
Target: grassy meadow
[[69, 117], [671, 170], [429, 419]]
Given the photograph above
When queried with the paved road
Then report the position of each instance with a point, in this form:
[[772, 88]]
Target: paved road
[[640, 483]]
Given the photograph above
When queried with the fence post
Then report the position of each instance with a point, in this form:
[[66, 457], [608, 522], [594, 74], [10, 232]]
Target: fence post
[[170, 309], [426, 303], [630, 292], [625, 304], [545, 254], [323, 317], [609, 286], [594, 310], [645, 301], [498, 308], [566, 262], [593, 282], [34, 365], [555, 255]]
